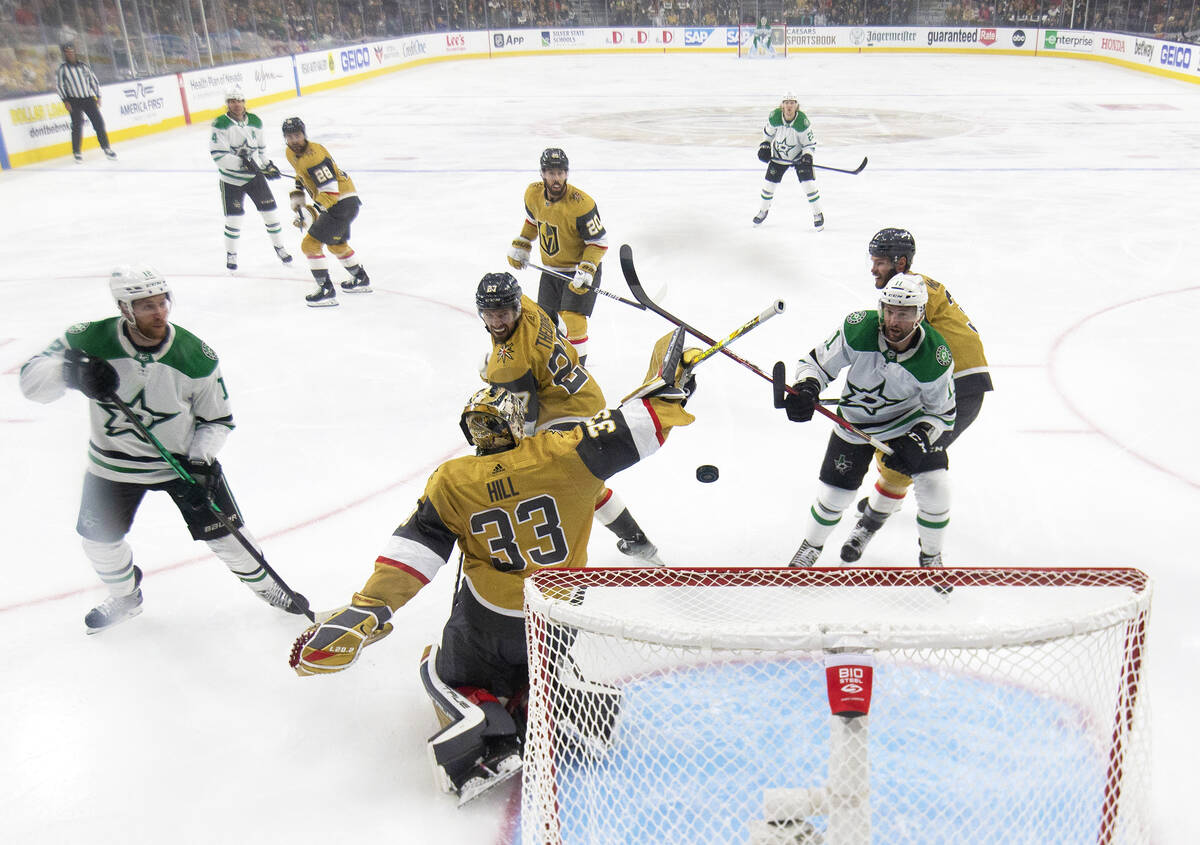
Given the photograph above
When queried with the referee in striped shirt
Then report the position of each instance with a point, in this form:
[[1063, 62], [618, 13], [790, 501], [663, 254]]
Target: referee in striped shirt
[[79, 90]]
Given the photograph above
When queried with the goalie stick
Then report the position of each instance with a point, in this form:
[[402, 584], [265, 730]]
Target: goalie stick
[[600, 291], [853, 172], [296, 599], [639, 293]]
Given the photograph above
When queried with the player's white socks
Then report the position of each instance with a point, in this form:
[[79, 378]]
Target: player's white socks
[[113, 562], [884, 503], [826, 512], [233, 231], [932, 492], [349, 260], [274, 229], [768, 194], [814, 197], [239, 561]]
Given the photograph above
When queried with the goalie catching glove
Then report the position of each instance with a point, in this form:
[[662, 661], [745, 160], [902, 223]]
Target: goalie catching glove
[[334, 644], [518, 253]]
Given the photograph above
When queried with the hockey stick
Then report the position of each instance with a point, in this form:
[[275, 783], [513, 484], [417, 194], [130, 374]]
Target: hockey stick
[[297, 599], [776, 307], [600, 291], [853, 172], [639, 294]]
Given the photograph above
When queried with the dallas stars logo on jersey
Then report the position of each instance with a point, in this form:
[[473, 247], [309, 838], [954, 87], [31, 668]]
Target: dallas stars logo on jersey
[[117, 424], [869, 399]]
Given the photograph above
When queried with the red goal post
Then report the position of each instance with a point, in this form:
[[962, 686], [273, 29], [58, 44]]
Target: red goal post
[[694, 705]]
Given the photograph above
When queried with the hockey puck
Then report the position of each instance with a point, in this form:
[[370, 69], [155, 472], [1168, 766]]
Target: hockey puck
[[707, 474]]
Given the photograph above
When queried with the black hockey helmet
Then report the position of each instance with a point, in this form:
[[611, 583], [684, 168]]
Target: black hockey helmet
[[892, 244], [498, 290], [554, 157], [294, 124]]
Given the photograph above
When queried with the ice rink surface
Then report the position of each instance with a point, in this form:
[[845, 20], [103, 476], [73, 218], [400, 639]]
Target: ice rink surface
[[1055, 199]]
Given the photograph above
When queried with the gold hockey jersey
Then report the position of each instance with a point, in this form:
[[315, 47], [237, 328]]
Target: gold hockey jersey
[[515, 512], [568, 231], [537, 365], [317, 173], [971, 374]]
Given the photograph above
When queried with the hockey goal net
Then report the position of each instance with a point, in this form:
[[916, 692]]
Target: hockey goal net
[[765, 41], [772, 706]]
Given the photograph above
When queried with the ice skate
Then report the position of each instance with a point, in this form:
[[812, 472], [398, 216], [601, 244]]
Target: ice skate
[[639, 546], [276, 597], [806, 555], [283, 254], [934, 561], [78, 158], [361, 283], [862, 533], [323, 296], [501, 762], [108, 151], [116, 609], [818, 221], [231, 261], [760, 217]]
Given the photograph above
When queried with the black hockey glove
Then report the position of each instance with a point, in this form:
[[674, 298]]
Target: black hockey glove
[[764, 151], [249, 165], [271, 171], [801, 404], [94, 377], [207, 476], [804, 167], [909, 450]]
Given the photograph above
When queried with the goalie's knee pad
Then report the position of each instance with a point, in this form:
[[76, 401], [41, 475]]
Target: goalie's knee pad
[[469, 716]]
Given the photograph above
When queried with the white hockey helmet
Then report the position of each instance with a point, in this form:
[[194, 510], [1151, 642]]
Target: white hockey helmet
[[493, 420], [789, 97], [234, 92], [131, 282], [905, 289]]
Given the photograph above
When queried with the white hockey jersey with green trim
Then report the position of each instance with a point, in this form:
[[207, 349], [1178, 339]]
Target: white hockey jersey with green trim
[[175, 391], [231, 139], [789, 138], [886, 392]]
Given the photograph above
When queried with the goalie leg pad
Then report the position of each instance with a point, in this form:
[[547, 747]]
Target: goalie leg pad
[[470, 716]]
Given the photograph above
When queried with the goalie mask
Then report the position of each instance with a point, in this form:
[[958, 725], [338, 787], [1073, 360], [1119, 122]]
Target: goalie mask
[[493, 420], [130, 283]]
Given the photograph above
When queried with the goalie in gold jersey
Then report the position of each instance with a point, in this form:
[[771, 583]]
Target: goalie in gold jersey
[[892, 252], [334, 207], [529, 358], [519, 504], [572, 239]]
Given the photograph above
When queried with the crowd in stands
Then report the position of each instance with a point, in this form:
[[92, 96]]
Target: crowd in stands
[[151, 37]]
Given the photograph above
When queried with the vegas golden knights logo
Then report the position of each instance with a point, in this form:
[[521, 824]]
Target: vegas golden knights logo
[[548, 234]]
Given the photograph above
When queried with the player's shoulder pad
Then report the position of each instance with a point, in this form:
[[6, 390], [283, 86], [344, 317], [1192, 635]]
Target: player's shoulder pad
[[222, 121], [776, 117], [99, 338], [933, 359], [253, 120], [861, 329], [933, 284], [190, 355]]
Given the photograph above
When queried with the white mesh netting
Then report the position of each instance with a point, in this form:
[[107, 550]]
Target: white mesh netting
[[690, 706]]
